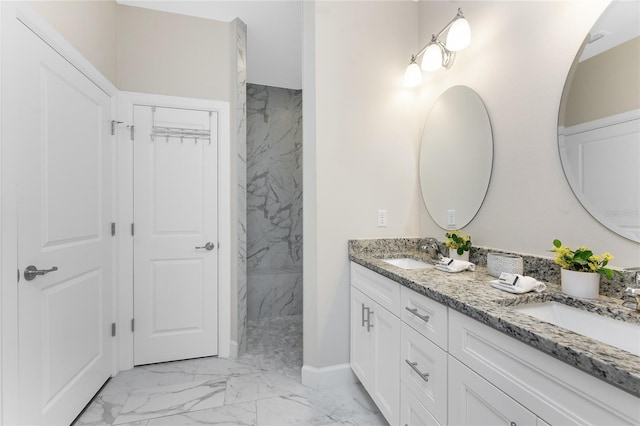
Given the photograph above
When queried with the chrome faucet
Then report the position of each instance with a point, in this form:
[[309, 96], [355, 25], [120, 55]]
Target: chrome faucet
[[432, 248], [631, 298]]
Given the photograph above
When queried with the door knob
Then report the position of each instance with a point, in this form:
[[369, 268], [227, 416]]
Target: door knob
[[208, 246], [31, 272]]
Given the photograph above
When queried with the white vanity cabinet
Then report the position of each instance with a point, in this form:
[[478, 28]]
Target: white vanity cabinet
[[553, 391], [375, 338], [425, 364], [387, 352]]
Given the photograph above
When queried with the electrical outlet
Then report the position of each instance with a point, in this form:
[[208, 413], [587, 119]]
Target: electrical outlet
[[382, 218], [451, 217]]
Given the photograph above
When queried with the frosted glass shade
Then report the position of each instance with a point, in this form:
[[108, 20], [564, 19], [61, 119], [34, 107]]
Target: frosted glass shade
[[413, 75], [459, 35], [432, 58]]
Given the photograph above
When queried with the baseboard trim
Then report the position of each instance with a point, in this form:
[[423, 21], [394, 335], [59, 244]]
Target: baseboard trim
[[233, 349], [327, 377]]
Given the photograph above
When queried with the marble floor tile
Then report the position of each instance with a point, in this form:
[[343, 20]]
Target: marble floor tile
[[103, 410], [261, 388], [252, 387], [152, 375], [173, 399], [228, 415]]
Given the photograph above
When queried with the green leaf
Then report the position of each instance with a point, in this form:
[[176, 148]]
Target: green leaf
[[606, 272], [583, 255], [557, 243], [580, 261]]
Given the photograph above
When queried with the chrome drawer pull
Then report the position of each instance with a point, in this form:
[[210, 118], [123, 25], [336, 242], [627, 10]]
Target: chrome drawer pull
[[414, 311], [363, 320], [414, 366]]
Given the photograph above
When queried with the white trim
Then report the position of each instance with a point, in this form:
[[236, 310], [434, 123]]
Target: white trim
[[599, 123], [233, 349], [327, 377], [126, 101]]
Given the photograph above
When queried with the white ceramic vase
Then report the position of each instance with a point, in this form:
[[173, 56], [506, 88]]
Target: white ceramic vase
[[453, 254], [585, 285]]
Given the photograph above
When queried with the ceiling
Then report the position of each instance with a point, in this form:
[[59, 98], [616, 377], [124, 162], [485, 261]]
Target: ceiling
[[274, 33]]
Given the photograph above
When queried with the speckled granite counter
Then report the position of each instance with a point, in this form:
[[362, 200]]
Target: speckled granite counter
[[471, 294]]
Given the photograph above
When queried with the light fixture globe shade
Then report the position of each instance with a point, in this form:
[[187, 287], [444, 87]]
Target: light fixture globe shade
[[413, 75], [432, 58], [459, 35]]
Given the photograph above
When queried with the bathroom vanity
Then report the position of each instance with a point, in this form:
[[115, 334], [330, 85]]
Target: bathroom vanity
[[436, 348]]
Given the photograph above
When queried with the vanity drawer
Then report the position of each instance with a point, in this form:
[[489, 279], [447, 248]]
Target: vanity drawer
[[425, 315], [381, 289], [412, 412], [426, 378]]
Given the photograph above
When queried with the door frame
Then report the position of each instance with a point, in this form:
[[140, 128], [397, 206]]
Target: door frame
[[13, 14], [124, 149]]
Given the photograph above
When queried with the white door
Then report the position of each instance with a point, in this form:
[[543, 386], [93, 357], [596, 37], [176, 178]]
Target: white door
[[64, 215], [175, 235]]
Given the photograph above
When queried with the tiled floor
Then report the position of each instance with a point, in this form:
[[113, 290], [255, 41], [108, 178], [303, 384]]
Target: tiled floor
[[261, 388]]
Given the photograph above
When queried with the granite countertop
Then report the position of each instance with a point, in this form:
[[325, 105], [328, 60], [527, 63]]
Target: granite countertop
[[470, 293]]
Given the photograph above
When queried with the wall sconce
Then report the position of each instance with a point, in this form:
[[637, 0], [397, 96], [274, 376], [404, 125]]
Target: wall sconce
[[436, 54]]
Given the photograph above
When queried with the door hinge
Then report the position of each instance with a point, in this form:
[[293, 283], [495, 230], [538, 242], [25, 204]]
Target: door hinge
[[132, 230], [132, 325], [132, 130], [114, 123], [113, 229], [18, 274], [113, 329]]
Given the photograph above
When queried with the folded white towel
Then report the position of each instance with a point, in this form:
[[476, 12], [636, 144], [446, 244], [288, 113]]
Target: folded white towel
[[447, 264], [515, 283]]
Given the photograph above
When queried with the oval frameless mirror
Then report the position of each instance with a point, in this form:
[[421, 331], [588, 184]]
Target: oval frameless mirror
[[456, 157], [599, 121]]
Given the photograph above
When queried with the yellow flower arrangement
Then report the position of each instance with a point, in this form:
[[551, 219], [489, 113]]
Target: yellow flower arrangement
[[582, 260], [455, 240]]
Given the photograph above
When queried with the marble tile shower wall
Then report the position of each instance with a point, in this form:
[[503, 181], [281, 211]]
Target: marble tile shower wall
[[274, 202], [241, 167]]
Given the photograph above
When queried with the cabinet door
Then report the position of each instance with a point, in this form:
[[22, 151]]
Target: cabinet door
[[474, 401], [386, 390], [412, 412], [362, 341]]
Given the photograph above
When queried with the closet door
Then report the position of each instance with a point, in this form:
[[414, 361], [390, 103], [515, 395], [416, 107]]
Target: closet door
[[64, 215], [175, 234]]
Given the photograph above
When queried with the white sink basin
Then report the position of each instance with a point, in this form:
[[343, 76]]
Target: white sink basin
[[622, 335], [408, 263]]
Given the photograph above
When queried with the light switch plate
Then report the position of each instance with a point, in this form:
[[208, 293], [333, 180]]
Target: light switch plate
[[451, 217], [382, 218]]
